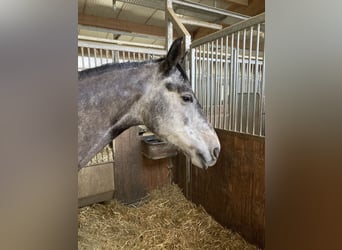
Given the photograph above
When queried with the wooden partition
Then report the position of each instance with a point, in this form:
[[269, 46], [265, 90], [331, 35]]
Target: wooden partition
[[232, 191], [134, 174]]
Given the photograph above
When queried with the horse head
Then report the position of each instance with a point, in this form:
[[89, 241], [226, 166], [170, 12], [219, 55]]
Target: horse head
[[173, 112]]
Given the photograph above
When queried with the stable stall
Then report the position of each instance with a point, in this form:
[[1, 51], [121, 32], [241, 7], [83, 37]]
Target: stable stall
[[141, 192]]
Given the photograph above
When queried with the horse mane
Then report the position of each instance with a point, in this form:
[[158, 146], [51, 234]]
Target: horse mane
[[113, 66]]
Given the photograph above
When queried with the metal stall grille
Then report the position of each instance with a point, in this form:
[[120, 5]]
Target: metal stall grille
[[93, 53], [228, 76]]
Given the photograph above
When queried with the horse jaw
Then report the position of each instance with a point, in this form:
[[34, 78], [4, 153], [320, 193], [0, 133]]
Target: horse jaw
[[201, 147]]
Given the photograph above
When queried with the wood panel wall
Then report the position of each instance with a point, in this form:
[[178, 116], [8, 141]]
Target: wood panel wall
[[134, 174], [232, 191]]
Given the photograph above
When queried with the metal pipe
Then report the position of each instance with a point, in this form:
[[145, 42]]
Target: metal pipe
[[237, 78], [210, 9], [211, 80], [95, 45], [200, 93], [106, 55], [220, 84], [95, 57], [215, 83], [82, 55], [231, 82], [193, 74], [118, 42], [262, 101], [256, 80], [230, 30], [225, 96], [199, 23], [207, 84], [242, 78], [101, 57], [249, 76]]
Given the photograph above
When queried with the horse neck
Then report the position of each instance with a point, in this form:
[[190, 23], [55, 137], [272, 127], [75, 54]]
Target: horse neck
[[121, 91]]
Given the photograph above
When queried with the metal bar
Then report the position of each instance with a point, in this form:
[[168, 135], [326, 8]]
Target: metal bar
[[197, 22], [256, 80], [88, 50], [129, 56], [121, 32], [242, 78], [200, 61], [211, 80], [82, 55], [193, 70], [249, 77], [237, 78], [161, 52], [230, 30], [101, 56], [95, 57], [215, 84], [220, 83], [210, 9], [169, 26], [118, 42], [262, 101], [207, 84], [231, 82], [225, 88], [107, 56]]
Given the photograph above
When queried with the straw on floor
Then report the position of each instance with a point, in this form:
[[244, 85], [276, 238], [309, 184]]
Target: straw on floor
[[164, 220]]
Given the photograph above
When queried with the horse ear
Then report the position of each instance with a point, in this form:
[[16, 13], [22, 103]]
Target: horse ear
[[173, 56]]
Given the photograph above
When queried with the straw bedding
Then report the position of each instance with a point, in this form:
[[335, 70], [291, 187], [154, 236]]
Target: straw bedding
[[164, 220]]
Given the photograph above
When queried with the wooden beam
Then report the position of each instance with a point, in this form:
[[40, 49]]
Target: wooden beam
[[121, 25]]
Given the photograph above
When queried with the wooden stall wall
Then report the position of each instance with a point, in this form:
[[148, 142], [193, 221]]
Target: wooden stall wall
[[232, 191], [134, 174]]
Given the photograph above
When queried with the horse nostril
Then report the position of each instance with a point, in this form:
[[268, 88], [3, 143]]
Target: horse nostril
[[216, 152]]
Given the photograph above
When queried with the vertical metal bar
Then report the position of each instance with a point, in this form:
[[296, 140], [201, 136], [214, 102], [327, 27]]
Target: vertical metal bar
[[215, 83], [200, 90], [95, 57], [113, 56], [193, 70], [262, 101], [211, 81], [256, 79], [207, 84], [220, 84], [107, 60], [82, 55], [88, 50], [231, 110], [169, 25], [225, 88], [101, 62], [249, 76], [242, 79], [237, 78]]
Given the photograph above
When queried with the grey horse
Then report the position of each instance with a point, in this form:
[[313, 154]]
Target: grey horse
[[157, 93]]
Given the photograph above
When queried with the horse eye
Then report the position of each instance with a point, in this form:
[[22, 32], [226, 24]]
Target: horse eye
[[187, 98]]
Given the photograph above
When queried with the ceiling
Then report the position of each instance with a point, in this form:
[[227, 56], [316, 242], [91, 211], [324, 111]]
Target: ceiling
[[142, 21]]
